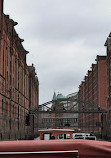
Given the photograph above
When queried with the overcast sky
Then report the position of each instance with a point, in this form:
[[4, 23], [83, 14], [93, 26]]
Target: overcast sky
[[63, 38]]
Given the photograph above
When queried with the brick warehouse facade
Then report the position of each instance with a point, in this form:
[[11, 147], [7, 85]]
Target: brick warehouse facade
[[93, 90], [18, 84], [108, 51], [96, 88]]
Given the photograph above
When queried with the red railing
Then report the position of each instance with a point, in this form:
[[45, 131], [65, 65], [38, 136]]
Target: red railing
[[55, 149]]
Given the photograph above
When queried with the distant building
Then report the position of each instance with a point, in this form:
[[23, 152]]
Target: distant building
[[61, 120], [33, 100], [58, 117], [73, 105]]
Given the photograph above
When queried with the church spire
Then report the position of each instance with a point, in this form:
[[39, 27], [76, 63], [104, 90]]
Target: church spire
[[54, 96]]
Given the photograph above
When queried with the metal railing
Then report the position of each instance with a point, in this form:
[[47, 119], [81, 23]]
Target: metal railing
[[69, 153]]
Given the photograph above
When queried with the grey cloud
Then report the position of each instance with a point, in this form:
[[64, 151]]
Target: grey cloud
[[63, 37]]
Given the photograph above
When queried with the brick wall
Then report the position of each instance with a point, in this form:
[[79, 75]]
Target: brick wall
[[108, 51], [93, 91], [14, 83]]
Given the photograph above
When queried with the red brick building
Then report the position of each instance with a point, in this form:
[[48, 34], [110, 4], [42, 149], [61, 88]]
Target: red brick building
[[16, 80], [93, 92], [108, 51], [33, 99]]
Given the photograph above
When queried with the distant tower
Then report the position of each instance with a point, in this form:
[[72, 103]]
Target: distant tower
[[54, 96]]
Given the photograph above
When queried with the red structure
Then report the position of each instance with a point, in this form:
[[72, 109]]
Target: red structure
[[18, 83], [56, 133], [55, 149], [93, 90]]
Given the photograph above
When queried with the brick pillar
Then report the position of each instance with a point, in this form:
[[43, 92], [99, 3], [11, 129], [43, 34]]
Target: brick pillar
[[70, 135], [1, 17], [1, 30], [41, 136]]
